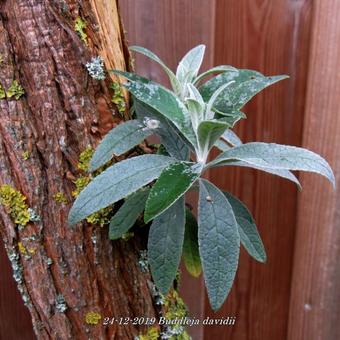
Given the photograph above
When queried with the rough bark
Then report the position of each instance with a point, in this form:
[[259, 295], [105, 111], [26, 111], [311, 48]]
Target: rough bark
[[62, 112]]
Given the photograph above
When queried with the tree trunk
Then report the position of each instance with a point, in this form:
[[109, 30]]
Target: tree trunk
[[63, 273]]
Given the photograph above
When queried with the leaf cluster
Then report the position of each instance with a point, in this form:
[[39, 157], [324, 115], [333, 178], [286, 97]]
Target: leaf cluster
[[197, 114]]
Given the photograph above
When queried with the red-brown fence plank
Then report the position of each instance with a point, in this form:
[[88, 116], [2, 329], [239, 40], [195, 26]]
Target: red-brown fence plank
[[315, 299]]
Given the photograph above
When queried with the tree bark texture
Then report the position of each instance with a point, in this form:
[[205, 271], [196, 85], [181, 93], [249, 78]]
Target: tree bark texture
[[70, 271]]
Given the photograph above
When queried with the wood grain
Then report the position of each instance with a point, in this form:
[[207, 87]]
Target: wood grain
[[315, 298], [272, 37]]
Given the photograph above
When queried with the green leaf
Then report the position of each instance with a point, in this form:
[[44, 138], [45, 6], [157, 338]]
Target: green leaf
[[165, 245], [231, 137], [161, 100], [117, 182], [191, 254], [172, 184], [222, 145], [128, 213], [189, 66], [233, 140], [216, 69], [250, 237], [209, 110], [247, 84], [173, 80], [276, 156], [219, 242], [278, 172], [170, 137], [119, 140], [231, 118], [209, 131]]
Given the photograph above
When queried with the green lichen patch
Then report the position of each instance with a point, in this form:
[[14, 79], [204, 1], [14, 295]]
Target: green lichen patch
[[2, 92], [151, 334], [26, 155], [84, 159], [15, 90], [100, 217], [80, 27], [118, 97], [81, 182], [92, 318], [60, 197], [175, 309], [14, 202]]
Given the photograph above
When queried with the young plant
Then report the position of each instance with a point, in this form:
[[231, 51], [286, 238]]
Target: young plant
[[190, 120]]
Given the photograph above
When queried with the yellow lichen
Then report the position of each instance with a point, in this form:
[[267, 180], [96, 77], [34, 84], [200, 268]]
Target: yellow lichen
[[118, 97], [175, 308], [81, 182], [152, 334], [92, 318], [84, 159], [15, 90], [2, 92], [22, 248], [26, 155], [60, 197], [100, 217], [32, 251], [80, 27], [14, 201]]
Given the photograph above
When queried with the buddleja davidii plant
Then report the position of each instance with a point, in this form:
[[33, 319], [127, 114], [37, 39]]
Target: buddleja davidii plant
[[192, 118]]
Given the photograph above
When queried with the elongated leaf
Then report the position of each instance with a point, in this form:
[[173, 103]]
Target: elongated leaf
[[216, 69], [128, 213], [189, 66], [209, 112], [209, 132], [247, 84], [172, 141], [173, 80], [172, 184], [276, 156], [231, 118], [222, 145], [191, 254], [278, 172], [219, 242], [117, 182], [161, 100], [250, 237], [119, 140], [165, 245], [231, 137]]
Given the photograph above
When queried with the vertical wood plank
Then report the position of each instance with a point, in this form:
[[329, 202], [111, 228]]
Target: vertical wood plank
[[273, 37], [315, 299], [170, 28]]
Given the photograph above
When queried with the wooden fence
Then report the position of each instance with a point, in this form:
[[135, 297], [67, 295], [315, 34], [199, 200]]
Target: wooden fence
[[296, 295]]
